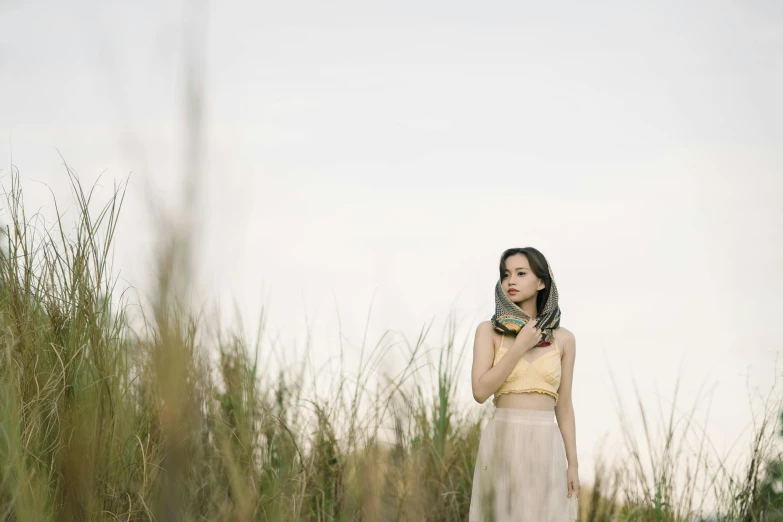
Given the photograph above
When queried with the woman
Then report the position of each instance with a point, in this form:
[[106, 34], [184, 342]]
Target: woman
[[526, 467]]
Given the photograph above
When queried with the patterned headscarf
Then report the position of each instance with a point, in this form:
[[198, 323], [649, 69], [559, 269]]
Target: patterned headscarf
[[509, 318]]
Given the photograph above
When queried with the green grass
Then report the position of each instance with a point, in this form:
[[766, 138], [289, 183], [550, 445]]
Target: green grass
[[181, 420]]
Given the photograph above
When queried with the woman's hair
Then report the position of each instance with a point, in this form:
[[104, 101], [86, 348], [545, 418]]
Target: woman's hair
[[539, 267]]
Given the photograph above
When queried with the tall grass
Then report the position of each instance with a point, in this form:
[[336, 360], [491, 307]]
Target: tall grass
[[181, 420]]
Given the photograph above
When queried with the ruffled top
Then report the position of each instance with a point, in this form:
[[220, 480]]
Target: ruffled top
[[542, 375]]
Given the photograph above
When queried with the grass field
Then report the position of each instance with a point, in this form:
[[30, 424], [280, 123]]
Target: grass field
[[101, 421]]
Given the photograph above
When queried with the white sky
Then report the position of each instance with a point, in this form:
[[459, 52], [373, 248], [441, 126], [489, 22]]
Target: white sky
[[400, 147]]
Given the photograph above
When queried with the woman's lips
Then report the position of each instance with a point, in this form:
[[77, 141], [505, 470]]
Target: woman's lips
[[513, 291]]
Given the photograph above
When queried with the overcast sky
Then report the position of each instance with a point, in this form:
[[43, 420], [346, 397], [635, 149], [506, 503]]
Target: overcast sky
[[395, 149]]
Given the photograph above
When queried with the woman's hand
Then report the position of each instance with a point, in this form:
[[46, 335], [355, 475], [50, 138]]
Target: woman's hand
[[528, 337], [573, 481]]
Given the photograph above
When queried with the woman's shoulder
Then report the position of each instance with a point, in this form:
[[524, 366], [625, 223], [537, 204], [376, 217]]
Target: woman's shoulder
[[485, 327], [564, 334], [488, 329]]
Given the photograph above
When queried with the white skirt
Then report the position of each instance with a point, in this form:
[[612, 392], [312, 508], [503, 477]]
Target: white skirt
[[520, 472]]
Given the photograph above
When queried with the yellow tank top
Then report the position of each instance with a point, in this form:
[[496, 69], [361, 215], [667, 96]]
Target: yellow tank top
[[542, 375]]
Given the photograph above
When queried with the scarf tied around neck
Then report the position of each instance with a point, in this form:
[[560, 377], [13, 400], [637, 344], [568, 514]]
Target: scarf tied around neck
[[509, 318]]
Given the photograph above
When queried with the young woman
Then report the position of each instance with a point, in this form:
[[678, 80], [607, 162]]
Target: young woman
[[526, 467]]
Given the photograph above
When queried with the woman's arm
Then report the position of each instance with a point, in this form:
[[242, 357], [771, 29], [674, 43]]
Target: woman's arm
[[486, 379], [564, 411]]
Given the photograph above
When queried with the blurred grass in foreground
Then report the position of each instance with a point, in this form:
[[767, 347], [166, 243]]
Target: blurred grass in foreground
[[100, 422]]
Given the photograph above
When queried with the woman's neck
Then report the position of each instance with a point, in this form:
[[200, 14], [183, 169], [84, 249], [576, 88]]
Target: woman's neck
[[530, 309]]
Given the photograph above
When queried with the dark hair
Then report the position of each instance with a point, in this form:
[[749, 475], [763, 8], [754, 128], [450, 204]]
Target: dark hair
[[539, 267]]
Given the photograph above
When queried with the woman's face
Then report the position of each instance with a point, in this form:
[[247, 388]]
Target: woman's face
[[518, 281]]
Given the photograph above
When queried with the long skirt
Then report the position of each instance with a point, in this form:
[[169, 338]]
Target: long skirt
[[520, 472]]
